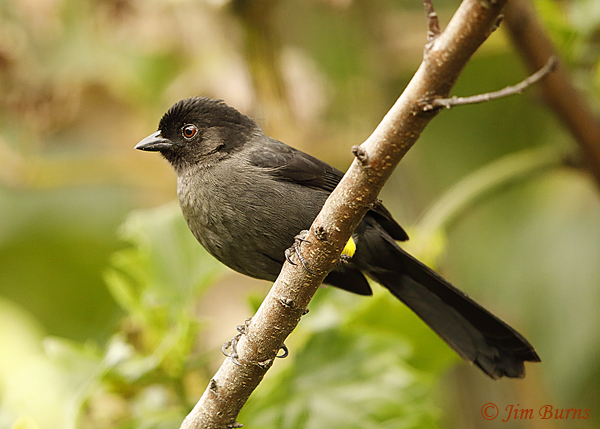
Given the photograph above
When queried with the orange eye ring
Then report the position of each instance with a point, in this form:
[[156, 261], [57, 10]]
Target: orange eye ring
[[189, 131]]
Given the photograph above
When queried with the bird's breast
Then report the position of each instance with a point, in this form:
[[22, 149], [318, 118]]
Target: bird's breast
[[245, 217]]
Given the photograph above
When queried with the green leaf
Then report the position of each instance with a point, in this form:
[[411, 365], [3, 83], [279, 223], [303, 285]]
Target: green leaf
[[350, 378], [165, 270], [157, 280]]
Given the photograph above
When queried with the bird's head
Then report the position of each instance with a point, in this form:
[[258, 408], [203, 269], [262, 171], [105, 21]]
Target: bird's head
[[199, 130]]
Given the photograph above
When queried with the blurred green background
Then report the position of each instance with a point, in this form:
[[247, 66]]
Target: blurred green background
[[112, 316]]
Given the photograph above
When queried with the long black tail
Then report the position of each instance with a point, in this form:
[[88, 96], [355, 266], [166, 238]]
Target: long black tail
[[473, 332]]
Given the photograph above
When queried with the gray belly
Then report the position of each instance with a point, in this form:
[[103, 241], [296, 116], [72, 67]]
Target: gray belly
[[247, 225]]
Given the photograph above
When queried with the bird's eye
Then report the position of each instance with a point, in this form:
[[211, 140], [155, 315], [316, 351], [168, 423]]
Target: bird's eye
[[189, 131]]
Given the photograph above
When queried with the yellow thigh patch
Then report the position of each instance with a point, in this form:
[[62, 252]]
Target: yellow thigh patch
[[349, 248]]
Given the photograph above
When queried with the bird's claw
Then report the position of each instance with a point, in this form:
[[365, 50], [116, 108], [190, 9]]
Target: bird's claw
[[295, 249], [233, 344], [344, 259], [286, 352]]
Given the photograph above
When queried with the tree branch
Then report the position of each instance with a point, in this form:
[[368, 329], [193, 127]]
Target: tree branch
[[444, 58], [530, 38], [504, 92], [433, 23]]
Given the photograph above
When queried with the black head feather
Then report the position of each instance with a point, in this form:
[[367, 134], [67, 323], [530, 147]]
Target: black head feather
[[221, 130], [205, 113]]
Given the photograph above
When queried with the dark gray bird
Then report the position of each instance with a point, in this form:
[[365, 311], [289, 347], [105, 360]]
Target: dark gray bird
[[245, 196]]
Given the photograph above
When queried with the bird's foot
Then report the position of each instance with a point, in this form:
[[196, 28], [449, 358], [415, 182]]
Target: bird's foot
[[295, 249], [286, 352], [234, 342], [344, 259], [233, 345]]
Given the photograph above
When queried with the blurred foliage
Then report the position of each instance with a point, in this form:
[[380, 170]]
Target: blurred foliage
[[104, 326], [150, 371]]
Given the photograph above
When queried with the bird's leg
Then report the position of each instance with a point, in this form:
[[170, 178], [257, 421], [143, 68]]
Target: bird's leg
[[298, 240]]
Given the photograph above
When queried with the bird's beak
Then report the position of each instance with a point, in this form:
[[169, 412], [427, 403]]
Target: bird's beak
[[154, 143]]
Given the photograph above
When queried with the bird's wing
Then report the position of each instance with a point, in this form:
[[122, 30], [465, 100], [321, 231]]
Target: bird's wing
[[292, 165]]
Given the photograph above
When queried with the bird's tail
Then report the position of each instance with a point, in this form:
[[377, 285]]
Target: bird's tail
[[473, 332]]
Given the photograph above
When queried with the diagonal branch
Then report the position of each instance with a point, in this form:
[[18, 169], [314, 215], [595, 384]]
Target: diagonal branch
[[445, 57]]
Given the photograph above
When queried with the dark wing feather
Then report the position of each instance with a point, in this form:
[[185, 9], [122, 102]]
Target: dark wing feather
[[292, 165], [385, 219]]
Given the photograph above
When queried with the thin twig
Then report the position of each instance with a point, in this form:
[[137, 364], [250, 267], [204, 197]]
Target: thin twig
[[433, 23], [505, 92]]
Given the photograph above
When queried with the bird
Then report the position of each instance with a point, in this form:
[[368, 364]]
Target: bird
[[245, 197]]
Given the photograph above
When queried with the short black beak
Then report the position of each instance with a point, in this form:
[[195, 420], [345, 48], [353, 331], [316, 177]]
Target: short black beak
[[154, 143]]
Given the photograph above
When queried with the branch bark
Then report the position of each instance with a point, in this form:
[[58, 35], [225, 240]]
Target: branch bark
[[445, 56], [534, 45]]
